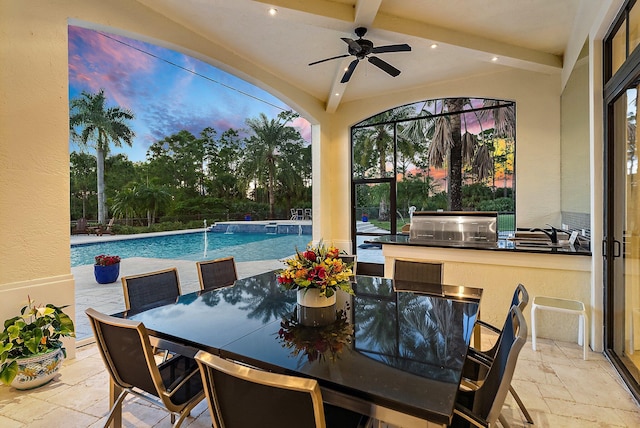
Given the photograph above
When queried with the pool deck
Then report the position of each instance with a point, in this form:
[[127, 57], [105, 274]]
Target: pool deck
[[109, 298]]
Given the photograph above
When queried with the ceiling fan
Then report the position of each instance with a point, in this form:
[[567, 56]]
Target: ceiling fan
[[363, 48]]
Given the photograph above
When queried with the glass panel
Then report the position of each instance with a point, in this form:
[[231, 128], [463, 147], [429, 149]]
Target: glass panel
[[372, 206], [618, 49], [373, 151], [626, 341], [634, 28]]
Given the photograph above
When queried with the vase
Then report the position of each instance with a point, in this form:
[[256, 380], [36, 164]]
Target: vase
[[311, 297], [37, 370], [106, 274], [315, 310]]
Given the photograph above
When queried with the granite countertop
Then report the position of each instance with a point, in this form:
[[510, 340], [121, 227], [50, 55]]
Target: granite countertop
[[502, 245]]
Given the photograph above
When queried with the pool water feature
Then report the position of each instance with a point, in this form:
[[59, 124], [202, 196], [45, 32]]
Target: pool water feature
[[195, 246]]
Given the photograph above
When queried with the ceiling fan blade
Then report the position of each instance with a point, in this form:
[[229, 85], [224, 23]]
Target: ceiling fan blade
[[349, 72], [353, 45], [329, 59], [384, 66], [392, 48]]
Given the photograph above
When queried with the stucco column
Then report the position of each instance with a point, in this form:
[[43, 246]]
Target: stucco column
[[331, 190], [34, 158]]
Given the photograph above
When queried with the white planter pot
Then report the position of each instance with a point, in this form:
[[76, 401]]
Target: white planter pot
[[311, 298], [37, 370]]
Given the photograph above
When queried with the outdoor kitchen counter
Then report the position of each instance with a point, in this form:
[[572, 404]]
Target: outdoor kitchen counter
[[497, 268], [502, 245]]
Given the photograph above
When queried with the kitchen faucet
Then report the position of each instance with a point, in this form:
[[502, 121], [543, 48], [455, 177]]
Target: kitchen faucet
[[553, 235]]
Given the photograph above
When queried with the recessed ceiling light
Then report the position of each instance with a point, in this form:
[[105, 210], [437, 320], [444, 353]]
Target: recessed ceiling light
[[273, 11], [494, 59], [337, 94], [434, 45]]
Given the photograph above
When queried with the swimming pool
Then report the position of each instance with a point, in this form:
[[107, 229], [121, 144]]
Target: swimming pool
[[196, 246]]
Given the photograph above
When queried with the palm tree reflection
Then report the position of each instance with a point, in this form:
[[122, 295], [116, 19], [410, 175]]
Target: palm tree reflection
[[422, 334], [260, 295]]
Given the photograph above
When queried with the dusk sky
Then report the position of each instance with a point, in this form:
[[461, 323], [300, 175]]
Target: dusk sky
[[165, 98]]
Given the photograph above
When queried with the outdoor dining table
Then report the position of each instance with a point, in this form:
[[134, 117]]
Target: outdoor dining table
[[396, 356]]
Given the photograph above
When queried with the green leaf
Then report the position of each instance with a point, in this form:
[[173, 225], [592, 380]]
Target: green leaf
[[33, 342], [10, 322], [9, 373], [4, 351], [15, 329], [66, 325]]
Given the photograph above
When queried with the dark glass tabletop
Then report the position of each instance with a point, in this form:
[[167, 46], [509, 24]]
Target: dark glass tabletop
[[403, 350]]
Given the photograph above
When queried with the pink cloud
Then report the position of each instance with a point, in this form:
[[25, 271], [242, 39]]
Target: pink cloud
[[304, 127], [99, 62]]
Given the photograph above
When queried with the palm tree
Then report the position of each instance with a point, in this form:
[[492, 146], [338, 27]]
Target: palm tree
[[126, 204], [449, 145], [100, 125], [152, 198], [262, 149]]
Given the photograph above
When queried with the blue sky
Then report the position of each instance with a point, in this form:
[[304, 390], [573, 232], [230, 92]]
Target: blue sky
[[164, 97]]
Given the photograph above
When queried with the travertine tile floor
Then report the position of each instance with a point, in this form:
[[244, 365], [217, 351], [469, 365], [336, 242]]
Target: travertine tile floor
[[557, 386]]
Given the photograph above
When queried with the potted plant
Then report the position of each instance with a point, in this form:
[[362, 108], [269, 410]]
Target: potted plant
[[106, 269], [317, 273], [31, 351]]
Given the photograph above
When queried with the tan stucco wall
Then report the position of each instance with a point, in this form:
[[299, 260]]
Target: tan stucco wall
[[575, 140], [34, 173]]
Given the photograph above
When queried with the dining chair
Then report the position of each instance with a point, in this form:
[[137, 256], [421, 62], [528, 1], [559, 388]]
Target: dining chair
[[474, 372], [351, 259], [274, 399], [482, 406], [174, 385], [150, 290], [405, 270], [370, 269], [216, 273]]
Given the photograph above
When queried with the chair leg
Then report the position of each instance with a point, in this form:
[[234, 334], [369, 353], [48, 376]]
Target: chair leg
[[503, 421], [525, 412], [585, 332], [533, 328], [116, 405]]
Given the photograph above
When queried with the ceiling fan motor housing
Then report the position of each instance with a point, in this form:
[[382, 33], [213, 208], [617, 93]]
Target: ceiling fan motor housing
[[365, 48]]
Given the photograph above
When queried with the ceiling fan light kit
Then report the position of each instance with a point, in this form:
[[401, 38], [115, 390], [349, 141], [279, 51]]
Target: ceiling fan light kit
[[363, 48]]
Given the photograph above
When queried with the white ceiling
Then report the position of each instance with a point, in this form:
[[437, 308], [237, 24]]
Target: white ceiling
[[528, 34]]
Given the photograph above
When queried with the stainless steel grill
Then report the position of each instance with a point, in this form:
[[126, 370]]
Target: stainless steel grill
[[454, 227]]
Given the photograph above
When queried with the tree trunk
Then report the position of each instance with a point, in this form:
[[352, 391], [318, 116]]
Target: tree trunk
[[101, 196], [455, 157], [272, 196], [383, 212]]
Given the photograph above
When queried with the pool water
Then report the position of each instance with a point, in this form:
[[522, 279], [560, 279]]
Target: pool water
[[198, 246]]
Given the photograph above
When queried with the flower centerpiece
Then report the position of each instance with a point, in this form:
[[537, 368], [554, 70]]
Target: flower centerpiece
[[31, 351], [316, 342], [106, 269], [318, 269]]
